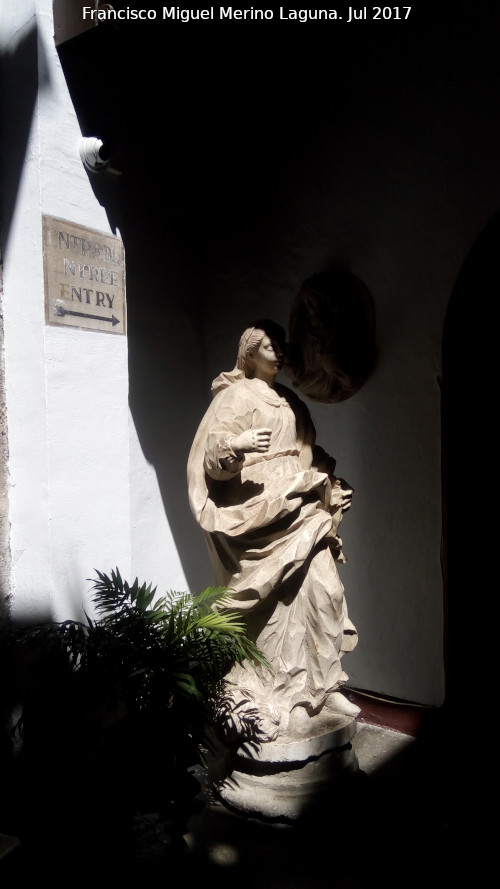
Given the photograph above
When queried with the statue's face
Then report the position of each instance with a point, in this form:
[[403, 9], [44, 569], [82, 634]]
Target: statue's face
[[266, 359]]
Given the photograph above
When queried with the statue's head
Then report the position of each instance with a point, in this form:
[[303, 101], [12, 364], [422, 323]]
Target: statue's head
[[251, 339]]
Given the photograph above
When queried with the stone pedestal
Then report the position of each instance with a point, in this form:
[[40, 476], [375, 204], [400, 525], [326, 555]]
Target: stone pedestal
[[277, 780]]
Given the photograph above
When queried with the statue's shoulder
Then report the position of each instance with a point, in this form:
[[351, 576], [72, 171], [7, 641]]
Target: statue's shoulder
[[299, 408], [235, 393], [290, 395]]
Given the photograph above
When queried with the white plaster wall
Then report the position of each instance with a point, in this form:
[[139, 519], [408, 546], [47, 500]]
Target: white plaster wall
[[70, 463], [29, 508]]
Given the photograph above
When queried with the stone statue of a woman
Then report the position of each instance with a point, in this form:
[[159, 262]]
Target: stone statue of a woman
[[270, 505]]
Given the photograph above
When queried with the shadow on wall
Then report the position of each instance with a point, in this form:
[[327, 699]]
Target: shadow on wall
[[214, 204], [203, 211], [23, 72], [197, 209]]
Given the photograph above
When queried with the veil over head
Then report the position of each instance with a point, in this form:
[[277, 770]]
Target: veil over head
[[250, 339]]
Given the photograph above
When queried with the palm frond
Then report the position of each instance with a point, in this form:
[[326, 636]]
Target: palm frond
[[212, 594], [150, 656]]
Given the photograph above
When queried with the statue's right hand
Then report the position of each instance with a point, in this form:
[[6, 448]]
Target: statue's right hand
[[252, 440]]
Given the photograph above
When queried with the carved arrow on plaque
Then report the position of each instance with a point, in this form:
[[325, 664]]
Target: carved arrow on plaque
[[60, 310]]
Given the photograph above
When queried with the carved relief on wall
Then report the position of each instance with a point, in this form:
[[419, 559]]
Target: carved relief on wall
[[331, 336]]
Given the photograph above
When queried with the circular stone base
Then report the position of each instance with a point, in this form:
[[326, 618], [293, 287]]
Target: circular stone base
[[277, 780]]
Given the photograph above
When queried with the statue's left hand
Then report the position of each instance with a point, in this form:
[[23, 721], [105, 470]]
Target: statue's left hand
[[341, 494]]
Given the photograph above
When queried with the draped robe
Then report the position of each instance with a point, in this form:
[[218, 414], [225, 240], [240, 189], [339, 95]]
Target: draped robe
[[270, 522]]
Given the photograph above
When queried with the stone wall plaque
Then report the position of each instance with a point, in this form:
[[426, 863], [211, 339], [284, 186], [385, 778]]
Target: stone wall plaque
[[84, 277]]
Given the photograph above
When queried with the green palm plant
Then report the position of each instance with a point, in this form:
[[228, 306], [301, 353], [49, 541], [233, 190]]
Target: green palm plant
[[135, 684], [176, 643]]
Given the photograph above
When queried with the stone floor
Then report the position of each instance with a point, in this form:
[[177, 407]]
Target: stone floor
[[389, 824]]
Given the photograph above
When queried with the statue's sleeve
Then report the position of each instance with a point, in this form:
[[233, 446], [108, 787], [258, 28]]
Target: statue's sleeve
[[231, 416], [324, 463]]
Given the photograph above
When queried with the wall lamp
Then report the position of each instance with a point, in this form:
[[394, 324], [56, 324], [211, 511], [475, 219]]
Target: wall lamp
[[96, 156]]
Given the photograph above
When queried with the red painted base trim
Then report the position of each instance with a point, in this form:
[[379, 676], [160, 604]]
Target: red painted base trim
[[400, 716]]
